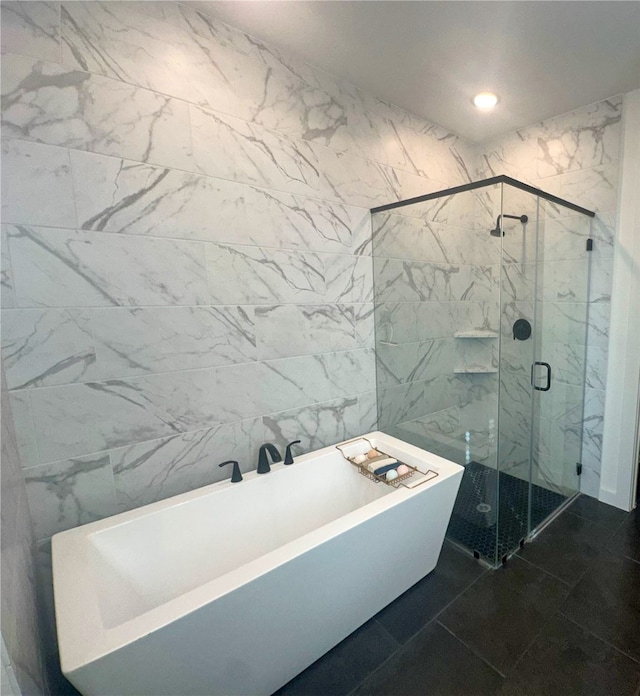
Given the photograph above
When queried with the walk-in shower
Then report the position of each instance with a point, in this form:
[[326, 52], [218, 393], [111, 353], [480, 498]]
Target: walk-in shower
[[481, 348]]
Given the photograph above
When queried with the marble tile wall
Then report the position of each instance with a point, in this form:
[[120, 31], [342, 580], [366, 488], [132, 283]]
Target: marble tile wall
[[575, 156], [436, 272], [22, 655], [186, 249]]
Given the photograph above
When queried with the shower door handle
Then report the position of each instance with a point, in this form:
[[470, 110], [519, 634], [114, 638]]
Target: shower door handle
[[533, 376]]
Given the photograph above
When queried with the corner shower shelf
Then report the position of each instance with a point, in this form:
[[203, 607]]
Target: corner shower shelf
[[475, 370], [475, 334]]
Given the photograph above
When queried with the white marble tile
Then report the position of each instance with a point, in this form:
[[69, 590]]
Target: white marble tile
[[114, 195], [6, 274], [594, 189], [566, 322], [45, 347], [515, 399], [448, 158], [159, 9], [365, 324], [118, 42], [59, 267], [601, 280], [404, 237], [282, 220], [280, 98], [348, 372], [69, 493], [287, 330], [25, 433], [402, 147], [591, 448], [564, 239], [396, 185], [567, 362], [409, 281], [78, 419], [603, 231], [436, 429], [518, 282], [598, 329], [51, 104], [594, 409], [581, 139], [479, 351], [158, 469], [42, 558], [95, 416], [368, 413], [316, 426], [596, 373], [400, 403], [412, 362], [514, 155], [437, 319], [32, 28], [230, 148], [563, 281], [146, 340], [253, 389], [563, 404], [253, 275], [348, 278], [36, 184], [476, 316], [397, 322]]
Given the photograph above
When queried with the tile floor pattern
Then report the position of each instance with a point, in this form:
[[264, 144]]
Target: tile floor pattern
[[562, 618]]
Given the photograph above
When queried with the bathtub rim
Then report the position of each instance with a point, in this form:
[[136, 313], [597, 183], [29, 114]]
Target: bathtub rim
[[82, 637]]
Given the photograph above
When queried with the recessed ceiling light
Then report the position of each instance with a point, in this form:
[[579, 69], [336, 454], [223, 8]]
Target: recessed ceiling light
[[485, 101]]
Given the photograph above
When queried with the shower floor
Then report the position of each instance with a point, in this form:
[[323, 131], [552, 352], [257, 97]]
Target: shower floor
[[473, 521]]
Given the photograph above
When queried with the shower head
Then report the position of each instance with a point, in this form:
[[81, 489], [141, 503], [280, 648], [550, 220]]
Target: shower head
[[499, 232]]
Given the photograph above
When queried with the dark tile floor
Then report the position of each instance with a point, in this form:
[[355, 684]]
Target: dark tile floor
[[561, 618]]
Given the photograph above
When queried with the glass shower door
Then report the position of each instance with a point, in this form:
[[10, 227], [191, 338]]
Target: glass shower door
[[559, 369], [544, 282]]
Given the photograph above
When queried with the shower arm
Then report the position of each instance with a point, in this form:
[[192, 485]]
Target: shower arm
[[496, 233]]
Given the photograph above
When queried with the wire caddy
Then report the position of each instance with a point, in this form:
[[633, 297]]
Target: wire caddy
[[419, 477]]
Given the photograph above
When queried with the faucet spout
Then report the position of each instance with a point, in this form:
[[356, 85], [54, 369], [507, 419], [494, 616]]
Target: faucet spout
[[263, 459]]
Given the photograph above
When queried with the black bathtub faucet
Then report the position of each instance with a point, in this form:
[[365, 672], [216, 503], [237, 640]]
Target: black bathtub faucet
[[288, 457], [263, 460], [236, 476]]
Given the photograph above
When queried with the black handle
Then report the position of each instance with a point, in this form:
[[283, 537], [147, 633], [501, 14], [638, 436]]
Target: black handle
[[288, 457], [236, 476], [533, 380]]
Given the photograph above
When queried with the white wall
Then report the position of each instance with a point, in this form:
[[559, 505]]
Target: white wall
[[622, 406]]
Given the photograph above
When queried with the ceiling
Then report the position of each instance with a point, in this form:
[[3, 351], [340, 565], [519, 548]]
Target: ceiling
[[430, 57]]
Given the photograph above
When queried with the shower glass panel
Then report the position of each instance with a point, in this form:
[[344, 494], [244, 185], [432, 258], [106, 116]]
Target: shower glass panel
[[480, 320], [561, 314]]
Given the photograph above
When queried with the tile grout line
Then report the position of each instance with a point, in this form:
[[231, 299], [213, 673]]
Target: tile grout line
[[600, 638], [472, 650], [403, 645]]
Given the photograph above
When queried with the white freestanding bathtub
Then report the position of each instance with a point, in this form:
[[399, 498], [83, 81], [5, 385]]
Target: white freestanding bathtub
[[236, 588]]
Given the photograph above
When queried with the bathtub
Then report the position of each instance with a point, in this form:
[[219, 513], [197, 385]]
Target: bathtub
[[235, 588]]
